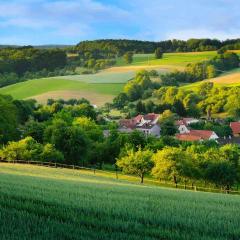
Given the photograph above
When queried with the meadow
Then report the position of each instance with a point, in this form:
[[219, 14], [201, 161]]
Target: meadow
[[99, 89], [169, 60], [47, 203]]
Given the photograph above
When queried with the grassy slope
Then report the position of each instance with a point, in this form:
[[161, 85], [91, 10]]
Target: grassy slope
[[67, 204], [231, 79], [169, 59], [39, 86]]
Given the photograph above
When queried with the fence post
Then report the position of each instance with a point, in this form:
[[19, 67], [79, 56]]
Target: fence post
[[195, 188], [94, 171]]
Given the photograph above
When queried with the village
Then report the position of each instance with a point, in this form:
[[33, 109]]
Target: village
[[149, 124]]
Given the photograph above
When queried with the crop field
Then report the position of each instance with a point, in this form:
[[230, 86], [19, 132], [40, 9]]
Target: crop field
[[169, 60], [47, 203], [98, 92], [102, 77], [230, 79]]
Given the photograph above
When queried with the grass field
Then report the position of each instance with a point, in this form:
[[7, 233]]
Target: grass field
[[98, 92], [169, 60], [230, 79], [46, 203]]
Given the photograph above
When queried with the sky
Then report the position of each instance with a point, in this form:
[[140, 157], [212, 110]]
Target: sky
[[37, 22]]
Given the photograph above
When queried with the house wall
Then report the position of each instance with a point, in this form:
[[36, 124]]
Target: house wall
[[183, 129], [155, 130], [214, 136]]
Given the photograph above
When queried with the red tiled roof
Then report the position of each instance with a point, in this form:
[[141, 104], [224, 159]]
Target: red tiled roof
[[138, 118], [187, 137], [132, 123], [204, 134], [184, 121], [128, 123], [151, 116], [181, 122], [235, 126], [195, 135]]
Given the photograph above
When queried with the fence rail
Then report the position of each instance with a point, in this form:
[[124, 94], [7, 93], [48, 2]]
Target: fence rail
[[119, 175]]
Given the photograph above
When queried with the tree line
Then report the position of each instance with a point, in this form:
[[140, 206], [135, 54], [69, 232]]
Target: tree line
[[109, 48], [72, 132], [186, 164]]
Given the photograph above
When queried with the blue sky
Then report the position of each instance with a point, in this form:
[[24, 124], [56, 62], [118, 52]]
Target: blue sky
[[70, 21]]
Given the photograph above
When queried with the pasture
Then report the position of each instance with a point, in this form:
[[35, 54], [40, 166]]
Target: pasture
[[98, 88], [47, 203], [169, 60]]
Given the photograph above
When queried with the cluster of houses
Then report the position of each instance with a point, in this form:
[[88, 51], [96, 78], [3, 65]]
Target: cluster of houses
[[149, 125]]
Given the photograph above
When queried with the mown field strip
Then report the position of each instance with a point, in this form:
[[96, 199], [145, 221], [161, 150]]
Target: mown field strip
[[73, 205]]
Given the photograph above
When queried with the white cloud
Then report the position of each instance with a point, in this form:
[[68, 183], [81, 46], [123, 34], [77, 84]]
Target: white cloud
[[203, 33]]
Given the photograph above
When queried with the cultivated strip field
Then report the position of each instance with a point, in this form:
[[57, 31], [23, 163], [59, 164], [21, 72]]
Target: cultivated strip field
[[52, 203], [63, 88]]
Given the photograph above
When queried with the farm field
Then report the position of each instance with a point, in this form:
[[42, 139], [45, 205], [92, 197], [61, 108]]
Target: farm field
[[52, 203], [230, 79], [169, 60], [98, 90]]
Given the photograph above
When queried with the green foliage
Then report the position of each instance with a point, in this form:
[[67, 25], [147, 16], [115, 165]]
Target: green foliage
[[135, 88], [139, 162], [8, 119], [158, 53], [170, 164], [128, 57], [29, 149]]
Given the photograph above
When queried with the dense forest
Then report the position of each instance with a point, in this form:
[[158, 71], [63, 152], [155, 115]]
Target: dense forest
[[110, 47]]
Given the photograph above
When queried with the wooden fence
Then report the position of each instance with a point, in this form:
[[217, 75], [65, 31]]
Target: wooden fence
[[120, 176]]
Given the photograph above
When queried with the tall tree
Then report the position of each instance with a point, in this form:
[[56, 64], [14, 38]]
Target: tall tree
[[139, 162]]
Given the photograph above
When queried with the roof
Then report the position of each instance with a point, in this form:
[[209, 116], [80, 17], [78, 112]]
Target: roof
[[151, 116], [235, 126], [187, 137], [204, 134], [136, 122], [185, 121], [180, 122], [195, 135]]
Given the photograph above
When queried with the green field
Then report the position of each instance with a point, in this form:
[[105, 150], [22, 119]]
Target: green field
[[45, 203], [229, 79], [66, 87], [169, 59]]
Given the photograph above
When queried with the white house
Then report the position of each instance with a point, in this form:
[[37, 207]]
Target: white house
[[183, 124], [148, 124]]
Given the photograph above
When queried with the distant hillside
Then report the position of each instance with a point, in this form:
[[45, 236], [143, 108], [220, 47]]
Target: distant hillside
[[48, 46], [53, 46], [119, 46]]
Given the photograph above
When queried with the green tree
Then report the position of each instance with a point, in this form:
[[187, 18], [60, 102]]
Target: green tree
[[128, 57], [158, 53], [8, 120], [139, 162], [50, 154], [171, 163]]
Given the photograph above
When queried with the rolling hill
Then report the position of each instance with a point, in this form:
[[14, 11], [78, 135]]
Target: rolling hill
[[50, 203], [102, 87], [229, 79], [169, 60], [98, 88]]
